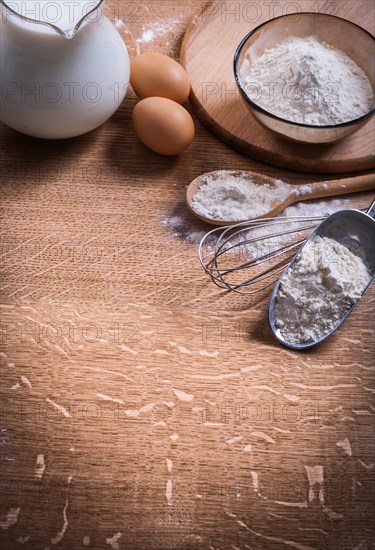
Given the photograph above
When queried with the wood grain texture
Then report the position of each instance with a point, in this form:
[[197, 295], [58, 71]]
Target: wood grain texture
[[207, 53], [142, 408]]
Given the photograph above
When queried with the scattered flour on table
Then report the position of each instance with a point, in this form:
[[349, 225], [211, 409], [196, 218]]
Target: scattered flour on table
[[268, 243], [184, 225], [231, 196], [308, 81], [327, 279]]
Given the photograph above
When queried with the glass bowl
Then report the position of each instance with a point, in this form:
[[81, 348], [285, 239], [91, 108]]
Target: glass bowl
[[348, 37]]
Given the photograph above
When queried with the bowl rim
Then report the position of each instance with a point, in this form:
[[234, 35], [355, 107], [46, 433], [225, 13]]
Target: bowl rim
[[257, 107]]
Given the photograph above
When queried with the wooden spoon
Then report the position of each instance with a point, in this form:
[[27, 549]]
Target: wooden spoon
[[296, 193]]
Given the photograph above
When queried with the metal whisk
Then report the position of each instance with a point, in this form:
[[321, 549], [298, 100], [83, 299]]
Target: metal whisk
[[264, 248]]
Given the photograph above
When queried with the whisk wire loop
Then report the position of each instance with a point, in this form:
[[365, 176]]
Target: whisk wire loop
[[253, 239]]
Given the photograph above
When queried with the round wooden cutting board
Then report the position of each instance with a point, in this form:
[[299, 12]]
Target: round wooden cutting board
[[207, 54]]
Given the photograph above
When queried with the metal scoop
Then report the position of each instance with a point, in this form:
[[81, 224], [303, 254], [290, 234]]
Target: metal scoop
[[353, 224]]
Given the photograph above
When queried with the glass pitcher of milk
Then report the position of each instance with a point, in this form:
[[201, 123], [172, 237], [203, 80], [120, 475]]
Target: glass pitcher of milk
[[64, 68]]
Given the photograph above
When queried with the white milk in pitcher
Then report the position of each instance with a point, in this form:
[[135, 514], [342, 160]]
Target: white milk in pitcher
[[60, 85], [64, 14]]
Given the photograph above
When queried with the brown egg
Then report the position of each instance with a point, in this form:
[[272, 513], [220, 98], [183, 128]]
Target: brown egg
[[163, 125], [157, 75]]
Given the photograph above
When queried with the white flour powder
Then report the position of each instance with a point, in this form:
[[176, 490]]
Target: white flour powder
[[185, 226], [318, 290], [308, 81], [260, 240], [232, 196]]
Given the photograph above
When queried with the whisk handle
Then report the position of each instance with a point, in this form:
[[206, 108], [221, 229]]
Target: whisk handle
[[343, 186]]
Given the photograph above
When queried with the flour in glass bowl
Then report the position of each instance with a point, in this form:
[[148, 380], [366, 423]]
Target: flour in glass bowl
[[307, 81]]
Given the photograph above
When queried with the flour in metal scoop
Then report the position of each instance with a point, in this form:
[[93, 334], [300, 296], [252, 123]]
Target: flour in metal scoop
[[326, 280], [231, 196]]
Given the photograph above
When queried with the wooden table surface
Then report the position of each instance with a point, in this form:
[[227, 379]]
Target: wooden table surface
[[142, 407]]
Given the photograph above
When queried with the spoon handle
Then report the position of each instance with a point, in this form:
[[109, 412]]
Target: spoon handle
[[342, 186]]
